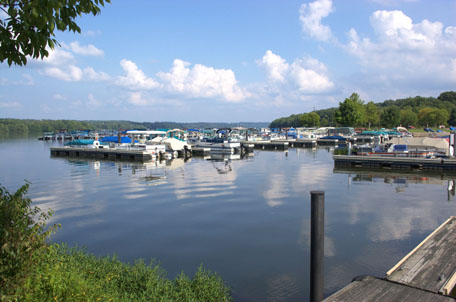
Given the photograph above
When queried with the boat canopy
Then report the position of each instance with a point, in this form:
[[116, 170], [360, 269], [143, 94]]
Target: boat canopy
[[80, 142], [374, 133], [115, 139], [441, 144]]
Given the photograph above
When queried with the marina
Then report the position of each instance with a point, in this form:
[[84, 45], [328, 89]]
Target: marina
[[218, 189], [228, 151]]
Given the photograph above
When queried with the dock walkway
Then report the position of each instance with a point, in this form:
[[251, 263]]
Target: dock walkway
[[400, 163], [427, 273], [112, 154]]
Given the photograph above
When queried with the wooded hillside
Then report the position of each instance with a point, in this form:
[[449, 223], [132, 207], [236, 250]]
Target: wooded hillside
[[414, 111]]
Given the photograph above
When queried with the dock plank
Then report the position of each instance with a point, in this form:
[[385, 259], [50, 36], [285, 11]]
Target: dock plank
[[431, 265], [373, 289], [400, 162]]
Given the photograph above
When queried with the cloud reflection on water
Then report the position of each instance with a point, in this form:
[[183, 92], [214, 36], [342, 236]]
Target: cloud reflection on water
[[395, 217]]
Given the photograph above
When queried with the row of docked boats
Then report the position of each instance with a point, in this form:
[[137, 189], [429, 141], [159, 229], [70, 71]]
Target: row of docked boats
[[165, 144], [178, 142], [424, 147]]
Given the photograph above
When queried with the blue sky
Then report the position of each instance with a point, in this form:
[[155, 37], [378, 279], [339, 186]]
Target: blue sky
[[230, 61]]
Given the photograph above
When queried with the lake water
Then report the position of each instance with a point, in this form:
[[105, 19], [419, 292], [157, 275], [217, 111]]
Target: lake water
[[247, 219]]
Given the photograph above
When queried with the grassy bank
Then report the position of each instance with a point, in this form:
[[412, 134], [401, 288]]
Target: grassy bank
[[32, 270], [63, 274]]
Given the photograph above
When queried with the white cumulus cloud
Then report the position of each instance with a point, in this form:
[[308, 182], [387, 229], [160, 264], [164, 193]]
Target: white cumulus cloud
[[58, 57], [306, 76], [202, 81], [73, 73], [91, 74], [403, 50], [311, 15], [61, 64], [135, 77], [137, 98], [87, 50]]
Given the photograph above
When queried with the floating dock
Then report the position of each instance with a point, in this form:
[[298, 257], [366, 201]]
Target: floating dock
[[306, 143], [269, 145], [396, 163], [102, 153], [303, 143], [427, 273], [201, 151]]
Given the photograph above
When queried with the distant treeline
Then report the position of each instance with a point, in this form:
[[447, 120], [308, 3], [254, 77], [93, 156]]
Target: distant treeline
[[416, 111], [24, 126]]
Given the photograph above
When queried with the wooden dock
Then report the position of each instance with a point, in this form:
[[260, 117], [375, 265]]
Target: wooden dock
[[330, 142], [270, 145], [306, 143], [303, 143], [427, 273], [101, 153], [396, 163]]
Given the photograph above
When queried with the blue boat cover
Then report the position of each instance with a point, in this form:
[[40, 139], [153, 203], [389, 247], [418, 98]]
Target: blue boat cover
[[114, 139], [80, 142], [400, 148]]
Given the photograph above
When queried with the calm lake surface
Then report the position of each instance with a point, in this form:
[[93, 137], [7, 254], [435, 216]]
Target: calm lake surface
[[248, 220]]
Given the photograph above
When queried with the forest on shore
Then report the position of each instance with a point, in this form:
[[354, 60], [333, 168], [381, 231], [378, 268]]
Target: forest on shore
[[353, 111], [29, 126]]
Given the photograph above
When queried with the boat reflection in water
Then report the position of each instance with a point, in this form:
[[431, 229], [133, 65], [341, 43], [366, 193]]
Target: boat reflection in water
[[401, 180], [154, 172]]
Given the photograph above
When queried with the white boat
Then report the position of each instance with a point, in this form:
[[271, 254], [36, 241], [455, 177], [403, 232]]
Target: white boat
[[219, 144], [170, 143]]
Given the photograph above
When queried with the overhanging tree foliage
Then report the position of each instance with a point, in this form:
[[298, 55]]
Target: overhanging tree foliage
[[29, 26]]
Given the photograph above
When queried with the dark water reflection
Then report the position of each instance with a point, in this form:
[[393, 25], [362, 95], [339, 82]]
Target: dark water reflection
[[246, 219]]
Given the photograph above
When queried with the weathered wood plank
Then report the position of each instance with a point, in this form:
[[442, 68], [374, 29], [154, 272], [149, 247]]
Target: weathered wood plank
[[372, 289], [432, 263]]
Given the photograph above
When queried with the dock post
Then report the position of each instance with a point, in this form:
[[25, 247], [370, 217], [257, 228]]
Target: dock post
[[317, 238], [451, 151]]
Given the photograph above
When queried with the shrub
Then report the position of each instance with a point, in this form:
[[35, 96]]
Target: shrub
[[31, 270], [72, 274], [22, 233]]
